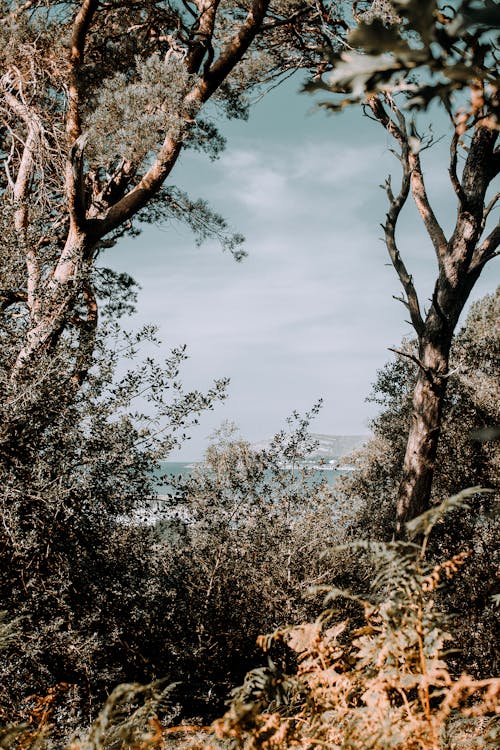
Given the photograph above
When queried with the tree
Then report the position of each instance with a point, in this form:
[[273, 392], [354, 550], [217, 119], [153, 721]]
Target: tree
[[93, 600], [384, 684], [464, 459], [418, 52], [98, 100]]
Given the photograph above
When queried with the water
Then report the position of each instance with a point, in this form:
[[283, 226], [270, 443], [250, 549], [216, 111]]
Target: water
[[183, 468]]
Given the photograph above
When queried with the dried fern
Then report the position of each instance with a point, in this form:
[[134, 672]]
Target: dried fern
[[385, 685], [128, 719]]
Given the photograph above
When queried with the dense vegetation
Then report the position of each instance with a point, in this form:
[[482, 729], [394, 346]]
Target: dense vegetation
[[126, 614], [94, 599]]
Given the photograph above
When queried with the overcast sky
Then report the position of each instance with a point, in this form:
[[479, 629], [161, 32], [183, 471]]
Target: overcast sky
[[310, 312]]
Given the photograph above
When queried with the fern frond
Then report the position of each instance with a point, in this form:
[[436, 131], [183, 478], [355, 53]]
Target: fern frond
[[423, 524]]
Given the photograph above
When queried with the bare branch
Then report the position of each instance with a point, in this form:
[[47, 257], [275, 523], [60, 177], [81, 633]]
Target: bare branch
[[414, 359], [427, 215], [396, 203], [400, 134], [488, 209], [457, 187], [487, 250], [234, 50]]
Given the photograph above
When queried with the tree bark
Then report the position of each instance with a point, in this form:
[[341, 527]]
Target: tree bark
[[460, 262], [423, 436]]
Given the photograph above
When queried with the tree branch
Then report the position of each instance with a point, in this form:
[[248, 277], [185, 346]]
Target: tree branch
[[203, 33], [81, 26], [88, 330], [234, 50], [154, 178], [488, 209], [457, 187], [21, 188], [415, 359], [396, 204], [74, 162], [471, 254], [487, 249], [427, 215], [400, 134]]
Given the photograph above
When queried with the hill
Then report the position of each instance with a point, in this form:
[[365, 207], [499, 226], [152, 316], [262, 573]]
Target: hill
[[330, 447]]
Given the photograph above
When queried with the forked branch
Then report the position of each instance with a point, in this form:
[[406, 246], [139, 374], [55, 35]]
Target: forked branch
[[400, 133], [396, 203]]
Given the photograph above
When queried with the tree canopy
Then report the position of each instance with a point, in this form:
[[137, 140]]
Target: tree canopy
[[404, 55], [97, 102]]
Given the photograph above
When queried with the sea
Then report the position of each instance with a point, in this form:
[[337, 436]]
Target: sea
[[325, 473]]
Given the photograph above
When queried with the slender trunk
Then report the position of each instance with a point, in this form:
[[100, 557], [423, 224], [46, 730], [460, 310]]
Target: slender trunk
[[420, 457], [64, 287]]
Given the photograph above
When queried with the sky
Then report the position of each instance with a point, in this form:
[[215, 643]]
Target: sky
[[310, 312]]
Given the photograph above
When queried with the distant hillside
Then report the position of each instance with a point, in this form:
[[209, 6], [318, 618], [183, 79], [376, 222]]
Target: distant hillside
[[330, 446], [337, 446]]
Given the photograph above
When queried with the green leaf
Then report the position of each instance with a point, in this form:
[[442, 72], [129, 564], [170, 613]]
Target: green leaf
[[361, 74], [376, 38]]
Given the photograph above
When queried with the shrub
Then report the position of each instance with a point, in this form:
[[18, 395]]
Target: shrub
[[383, 685], [368, 495]]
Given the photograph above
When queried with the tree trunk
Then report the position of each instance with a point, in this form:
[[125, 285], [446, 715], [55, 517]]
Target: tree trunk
[[420, 457], [68, 280]]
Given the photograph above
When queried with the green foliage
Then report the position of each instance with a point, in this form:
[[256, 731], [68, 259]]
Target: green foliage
[[172, 204], [252, 530], [129, 718], [368, 495], [133, 110], [426, 49], [105, 597], [96, 603], [383, 685]]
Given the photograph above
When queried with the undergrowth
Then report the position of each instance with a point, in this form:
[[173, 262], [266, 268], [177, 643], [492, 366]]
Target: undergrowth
[[377, 680]]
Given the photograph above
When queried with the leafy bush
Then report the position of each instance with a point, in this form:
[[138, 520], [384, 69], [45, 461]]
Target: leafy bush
[[254, 532], [94, 601], [105, 598], [383, 685], [368, 495]]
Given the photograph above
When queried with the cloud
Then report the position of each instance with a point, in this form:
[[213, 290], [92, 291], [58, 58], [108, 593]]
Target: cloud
[[316, 181], [310, 312]]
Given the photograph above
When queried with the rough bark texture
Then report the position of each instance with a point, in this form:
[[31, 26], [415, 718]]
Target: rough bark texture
[[460, 262], [90, 222], [428, 398]]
